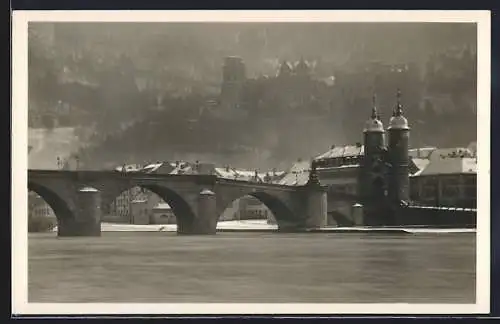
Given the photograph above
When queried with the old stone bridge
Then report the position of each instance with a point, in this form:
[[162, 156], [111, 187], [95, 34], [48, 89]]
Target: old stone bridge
[[78, 198]]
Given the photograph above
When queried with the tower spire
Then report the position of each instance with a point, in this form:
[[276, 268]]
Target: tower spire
[[374, 124], [374, 107], [398, 121], [399, 108]]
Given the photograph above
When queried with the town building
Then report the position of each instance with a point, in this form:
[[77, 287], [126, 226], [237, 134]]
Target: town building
[[297, 175], [449, 179], [338, 168], [122, 206], [37, 207], [163, 214], [140, 213]]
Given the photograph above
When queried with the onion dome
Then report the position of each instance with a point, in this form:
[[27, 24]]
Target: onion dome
[[398, 121], [374, 125]]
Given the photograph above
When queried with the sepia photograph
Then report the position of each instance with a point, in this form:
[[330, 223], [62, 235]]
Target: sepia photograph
[[262, 162]]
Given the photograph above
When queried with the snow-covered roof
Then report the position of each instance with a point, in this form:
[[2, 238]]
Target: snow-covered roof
[[153, 167], [183, 168], [159, 167], [246, 175], [342, 151], [162, 206], [129, 168], [225, 173], [421, 164], [422, 152], [298, 174], [450, 165], [450, 161]]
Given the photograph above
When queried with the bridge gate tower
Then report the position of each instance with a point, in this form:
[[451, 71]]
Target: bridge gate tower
[[373, 182], [399, 180]]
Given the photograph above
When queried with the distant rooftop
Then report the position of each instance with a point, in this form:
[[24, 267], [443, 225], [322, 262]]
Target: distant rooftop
[[425, 160], [162, 206], [422, 152], [128, 168], [182, 167], [297, 175], [342, 151], [420, 164], [450, 161], [452, 152], [246, 175], [159, 167]]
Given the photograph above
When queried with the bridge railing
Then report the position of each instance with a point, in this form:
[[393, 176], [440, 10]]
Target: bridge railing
[[91, 174]]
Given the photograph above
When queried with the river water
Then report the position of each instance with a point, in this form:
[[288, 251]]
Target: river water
[[160, 267]]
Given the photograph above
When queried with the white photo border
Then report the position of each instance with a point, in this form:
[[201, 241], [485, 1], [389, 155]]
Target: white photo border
[[20, 21]]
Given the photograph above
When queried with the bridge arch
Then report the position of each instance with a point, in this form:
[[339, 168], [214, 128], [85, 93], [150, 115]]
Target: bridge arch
[[60, 207], [182, 210], [282, 212]]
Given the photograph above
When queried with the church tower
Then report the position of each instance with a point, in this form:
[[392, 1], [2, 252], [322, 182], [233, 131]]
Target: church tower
[[399, 133], [372, 182], [233, 80]]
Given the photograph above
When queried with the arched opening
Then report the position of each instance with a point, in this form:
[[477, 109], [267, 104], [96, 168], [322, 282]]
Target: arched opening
[[147, 205], [45, 208], [259, 207]]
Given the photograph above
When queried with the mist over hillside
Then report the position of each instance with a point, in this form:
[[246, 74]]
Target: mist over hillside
[[151, 91]]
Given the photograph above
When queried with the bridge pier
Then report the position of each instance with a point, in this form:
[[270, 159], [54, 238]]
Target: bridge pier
[[317, 201], [87, 219], [205, 221]]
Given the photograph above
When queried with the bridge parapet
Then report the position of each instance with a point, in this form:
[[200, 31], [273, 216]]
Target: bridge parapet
[[100, 175], [257, 185]]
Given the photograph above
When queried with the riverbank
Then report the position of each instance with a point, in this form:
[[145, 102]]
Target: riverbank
[[261, 226]]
